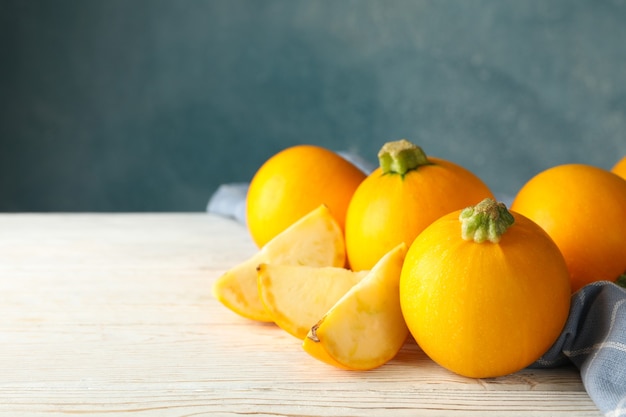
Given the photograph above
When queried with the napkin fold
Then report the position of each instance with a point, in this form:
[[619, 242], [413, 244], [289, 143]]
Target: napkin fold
[[229, 200], [593, 339]]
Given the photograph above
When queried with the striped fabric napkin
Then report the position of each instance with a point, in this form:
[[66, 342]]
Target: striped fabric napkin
[[594, 339]]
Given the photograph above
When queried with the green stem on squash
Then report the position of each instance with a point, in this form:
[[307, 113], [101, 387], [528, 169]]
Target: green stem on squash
[[400, 157], [621, 280], [486, 221]]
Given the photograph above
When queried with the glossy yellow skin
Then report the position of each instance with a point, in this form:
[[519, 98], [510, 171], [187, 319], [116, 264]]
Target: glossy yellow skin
[[387, 209], [484, 309], [295, 181], [583, 209]]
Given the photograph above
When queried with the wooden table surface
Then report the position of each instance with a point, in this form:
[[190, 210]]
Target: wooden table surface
[[112, 315]]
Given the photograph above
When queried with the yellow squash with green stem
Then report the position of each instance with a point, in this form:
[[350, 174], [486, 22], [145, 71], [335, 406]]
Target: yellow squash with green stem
[[407, 192], [484, 291]]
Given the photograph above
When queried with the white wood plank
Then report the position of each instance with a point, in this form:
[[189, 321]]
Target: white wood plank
[[112, 314]]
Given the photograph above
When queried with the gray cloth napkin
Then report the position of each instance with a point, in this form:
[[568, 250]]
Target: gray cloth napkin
[[594, 337], [229, 200]]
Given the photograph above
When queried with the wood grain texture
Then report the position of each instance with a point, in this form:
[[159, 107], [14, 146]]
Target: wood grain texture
[[111, 314]]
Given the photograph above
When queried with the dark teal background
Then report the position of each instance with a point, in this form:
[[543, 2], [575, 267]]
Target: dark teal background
[[148, 105]]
